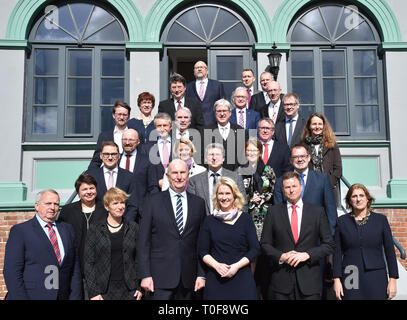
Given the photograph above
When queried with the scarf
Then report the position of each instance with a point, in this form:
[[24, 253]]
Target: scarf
[[225, 216], [316, 156]]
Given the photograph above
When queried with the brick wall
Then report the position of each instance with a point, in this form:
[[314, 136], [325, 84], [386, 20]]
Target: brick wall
[[397, 219]]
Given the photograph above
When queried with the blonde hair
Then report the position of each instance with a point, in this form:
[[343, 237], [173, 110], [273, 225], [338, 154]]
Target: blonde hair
[[184, 141], [114, 194], [226, 181]]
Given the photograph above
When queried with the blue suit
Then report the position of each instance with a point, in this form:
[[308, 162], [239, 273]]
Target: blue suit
[[252, 118], [214, 91], [318, 191], [29, 254]]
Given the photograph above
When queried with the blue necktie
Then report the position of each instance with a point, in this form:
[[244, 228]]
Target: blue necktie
[[290, 131], [303, 184]]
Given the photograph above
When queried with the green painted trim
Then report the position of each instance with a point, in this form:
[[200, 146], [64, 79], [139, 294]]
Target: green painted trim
[[24, 11], [162, 9], [17, 206], [58, 147], [393, 46], [379, 9], [267, 47], [390, 203], [364, 144], [13, 191], [144, 46], [14, 44]]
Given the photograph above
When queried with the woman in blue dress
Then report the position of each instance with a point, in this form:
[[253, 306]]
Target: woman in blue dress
[[359, 264], [227, 245], [144, 123]]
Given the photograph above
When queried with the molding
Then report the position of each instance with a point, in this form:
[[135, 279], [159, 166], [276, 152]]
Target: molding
[[380, 13], [57, 146], [14, 44], [144, 46], [364, 144], [393, 46], [13, 191]]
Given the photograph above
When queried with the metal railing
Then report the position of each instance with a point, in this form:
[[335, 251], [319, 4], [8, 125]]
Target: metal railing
[[340, 206]]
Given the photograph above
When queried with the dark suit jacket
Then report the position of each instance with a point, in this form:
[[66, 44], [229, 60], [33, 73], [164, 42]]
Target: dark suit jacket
[[98, 257], [315, 239], [352, 246], [264, 111], [318, 191], [197, 120], [124, 182], [72, 214], [279, 158], [281, 135], [257, 102], [214, 91], [234, 144], [96, 162], [143, 132], [28, 254], [164, 254], [252, 118], [332, 164]]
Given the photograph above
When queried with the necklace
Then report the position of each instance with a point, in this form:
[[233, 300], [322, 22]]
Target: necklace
[[114, 227]]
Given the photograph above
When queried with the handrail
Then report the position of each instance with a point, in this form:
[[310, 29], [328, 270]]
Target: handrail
[[72, 196], [395, 241]]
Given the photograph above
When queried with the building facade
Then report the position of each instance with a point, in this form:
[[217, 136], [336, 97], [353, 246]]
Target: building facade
[[64, 63]]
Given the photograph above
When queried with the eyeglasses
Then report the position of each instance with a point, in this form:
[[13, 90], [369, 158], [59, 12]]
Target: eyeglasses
[[108, 155], [124, 115], [241, 97], [290, 104], [252, 151], [302, 157], [266, 129], [222, 111]]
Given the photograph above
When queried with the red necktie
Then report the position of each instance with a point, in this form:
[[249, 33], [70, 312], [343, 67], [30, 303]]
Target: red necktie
[[128, 162], [179, 105], [54, 241], [294, 223], [266, 153]]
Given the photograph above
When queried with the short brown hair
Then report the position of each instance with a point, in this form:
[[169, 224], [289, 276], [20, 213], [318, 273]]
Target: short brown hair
[[354, 187], [291, 174], [85, 178], [114, 194], [145, 96], [255, 142], [110, 143], [122, 104]]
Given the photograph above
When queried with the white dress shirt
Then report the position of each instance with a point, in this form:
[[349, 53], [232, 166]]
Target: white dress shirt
[[224, 130], [182, 103], [273, 110], [266, 97], [287, 125], [117, 137], [198, 86], [133, 156], [184, 201], [106, 174]]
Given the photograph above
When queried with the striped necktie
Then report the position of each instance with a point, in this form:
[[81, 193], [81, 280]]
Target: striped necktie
[[54, 241], [179, 218]]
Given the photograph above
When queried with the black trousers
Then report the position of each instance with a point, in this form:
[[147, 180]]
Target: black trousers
[[178, 293]]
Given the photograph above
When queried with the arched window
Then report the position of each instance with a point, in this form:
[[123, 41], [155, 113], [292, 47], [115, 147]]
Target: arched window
[[76, 70], [335, 68]]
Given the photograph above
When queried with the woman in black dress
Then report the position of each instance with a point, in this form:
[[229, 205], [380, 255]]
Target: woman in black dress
[[227, 244], [110, 253], [359, 265]]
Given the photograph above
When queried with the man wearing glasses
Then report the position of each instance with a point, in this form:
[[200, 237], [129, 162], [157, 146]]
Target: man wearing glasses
[[120, 114], [276, 154], [111, 175], [290, 130]]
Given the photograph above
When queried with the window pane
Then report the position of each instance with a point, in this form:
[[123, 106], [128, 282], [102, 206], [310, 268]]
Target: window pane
[[366, 91], [190, 20], [79, 91], [305, 90], [80, 63], [224, 20], [306, 111], [333, 63], [112, 32], [47, 31], [99, 18], [364, 62], [334, 91], [229, 87], [106, 119], [112, 90], [360, 33], [304, 34], [180, 34], [367, 119], [78, 120], [46, 62], [45, 120], [45, 90], [81, 12], [314, 21], [236, 34], [331, 15], [302, 63], [112, 63], [229, 67], [207, 15], [337, 117]]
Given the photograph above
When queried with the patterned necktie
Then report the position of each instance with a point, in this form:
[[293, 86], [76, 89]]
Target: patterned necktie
[[110, 182], [128, 162], [303, 184], [249, 96], [54, 241], [290, 131], [201, 91], [215, 178], [294, 223], [274, 113], [266, 153], [179, 105], [166, 155], [179, 219], [241, 118]]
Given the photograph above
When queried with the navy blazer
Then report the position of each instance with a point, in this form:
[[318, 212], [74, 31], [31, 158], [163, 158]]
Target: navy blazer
[[197, 119], [318, 191], [28, 256], [281, 134], [279, 158], [252, 118], [214, 91], [368, 243], [124, 182], [163, 254], [143, 132]]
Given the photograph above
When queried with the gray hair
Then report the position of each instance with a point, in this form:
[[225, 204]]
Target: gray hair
[[162, 115], [222, 102], [40, 194], [214, 145], [234, 93], [184, 109]]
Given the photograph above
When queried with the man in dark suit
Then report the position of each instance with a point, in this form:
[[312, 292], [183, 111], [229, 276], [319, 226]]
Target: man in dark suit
[[260, 99], [290, 130], [205, 90], [135, 162], [120, 114], [168, 262], [111, 175], [276, 154], [41, 261], [248, 81], [203, 184], [274, 109], [295, 238], [178, 101], [232, 136], [246, 118]]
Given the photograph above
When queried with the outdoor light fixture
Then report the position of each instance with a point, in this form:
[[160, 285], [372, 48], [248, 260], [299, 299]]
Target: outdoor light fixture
[[274, 61]]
